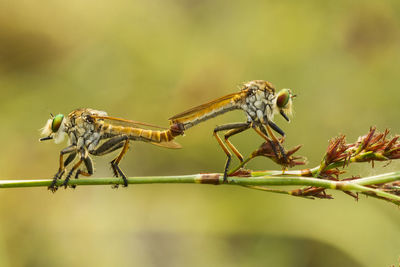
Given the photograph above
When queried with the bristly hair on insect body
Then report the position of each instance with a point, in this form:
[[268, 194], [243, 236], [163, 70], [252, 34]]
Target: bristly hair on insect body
[[260, 102], [54, 129], [93, 132]]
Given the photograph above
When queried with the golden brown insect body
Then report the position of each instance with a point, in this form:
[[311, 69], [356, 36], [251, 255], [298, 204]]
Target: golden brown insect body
[[93, 132], [254, 97], [258, 99]]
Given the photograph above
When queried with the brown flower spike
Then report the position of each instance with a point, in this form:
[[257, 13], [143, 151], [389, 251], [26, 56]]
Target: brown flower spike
[[267, 150], [374, 146]]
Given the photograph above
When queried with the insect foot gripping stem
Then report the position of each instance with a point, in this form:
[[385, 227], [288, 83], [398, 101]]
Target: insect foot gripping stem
[[53, 187], [118, 172]]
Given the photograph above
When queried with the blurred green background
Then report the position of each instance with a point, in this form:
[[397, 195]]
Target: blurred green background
[[148, 60]]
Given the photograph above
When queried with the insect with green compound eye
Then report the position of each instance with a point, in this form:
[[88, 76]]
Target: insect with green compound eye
[[258, 100], [93, 132]]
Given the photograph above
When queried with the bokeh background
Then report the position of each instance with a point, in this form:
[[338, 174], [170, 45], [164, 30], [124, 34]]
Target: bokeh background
[[148, 60]]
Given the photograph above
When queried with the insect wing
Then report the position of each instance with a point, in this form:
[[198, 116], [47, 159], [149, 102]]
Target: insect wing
[[222, 101], [171, 144], [125, 122]]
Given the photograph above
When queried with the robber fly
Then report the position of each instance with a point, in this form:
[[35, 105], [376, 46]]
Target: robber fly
[[93, 132], [258, 100]]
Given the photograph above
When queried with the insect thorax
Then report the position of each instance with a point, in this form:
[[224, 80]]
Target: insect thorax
[[82, 130], [259, 103]]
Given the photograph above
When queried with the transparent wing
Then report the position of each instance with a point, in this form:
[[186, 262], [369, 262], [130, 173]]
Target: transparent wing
[[217, 102], [171, 144], [125, 122]]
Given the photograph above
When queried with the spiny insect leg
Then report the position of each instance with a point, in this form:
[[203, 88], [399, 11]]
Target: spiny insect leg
[[76, 166], [83, 154], [89, 167], [236, 128], [264, 130], [109, 146], [232, 133], [276, 140], [115, 162], [70, 149]]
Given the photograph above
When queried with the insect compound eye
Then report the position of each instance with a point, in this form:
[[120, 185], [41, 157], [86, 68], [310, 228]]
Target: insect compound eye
[[57, 122], [283, 98]]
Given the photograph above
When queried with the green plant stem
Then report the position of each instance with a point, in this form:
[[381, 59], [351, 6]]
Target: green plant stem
[[357, 185], [213, 178], [378, 179]]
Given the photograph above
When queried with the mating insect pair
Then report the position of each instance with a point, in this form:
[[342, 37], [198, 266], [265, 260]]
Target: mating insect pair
[[93, 132]]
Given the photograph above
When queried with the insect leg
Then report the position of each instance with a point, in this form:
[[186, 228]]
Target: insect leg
[[83, 156], [61, 170], [231, 126], [109, 146], [274, 142], [70, 158], [261, 130], [89, 167], [115, 162], [276, 128], [233, 132]]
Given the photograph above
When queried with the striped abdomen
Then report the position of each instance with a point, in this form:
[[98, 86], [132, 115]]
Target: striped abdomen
[[209, 110], [138, 133]]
